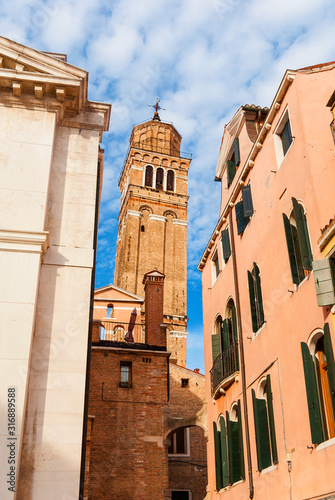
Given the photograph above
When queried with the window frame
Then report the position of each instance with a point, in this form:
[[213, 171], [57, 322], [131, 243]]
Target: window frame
[[128, 383], [256, 298], [277, 137], [215, 265], [173, 439]]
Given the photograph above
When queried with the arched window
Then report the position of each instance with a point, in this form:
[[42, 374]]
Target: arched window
[[110, 311], [148, 176], [298, 243], [170, 180], [159, 178], [264, 425], [256, 300], [319, 369]]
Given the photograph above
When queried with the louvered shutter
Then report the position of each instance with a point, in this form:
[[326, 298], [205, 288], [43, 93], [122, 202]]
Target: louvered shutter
[[324, 279], [252, 302], [218, 464], [300, 269], [240, 439], [234, 450], [226, 250], [225, 348], [241, 220], [224, 453], [262, 432], [248, 207], [303, 238], [271, 420], [259, 295], [312, 396], [291, 252], [231, 171], [216, 346], [237, 151], [330, 363], [235, 338]]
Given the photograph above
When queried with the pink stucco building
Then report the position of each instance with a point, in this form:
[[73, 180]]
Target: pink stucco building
[[268, 298]]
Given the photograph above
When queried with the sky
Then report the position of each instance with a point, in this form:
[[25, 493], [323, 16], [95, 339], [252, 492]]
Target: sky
[[202, 58]]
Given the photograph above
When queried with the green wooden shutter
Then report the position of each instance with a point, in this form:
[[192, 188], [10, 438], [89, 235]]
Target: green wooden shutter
[[330, 363], [248, 207], [234, 450], [300, 268], [216, 346], [231, 171], [241, 220], [226, 250], [224, 453], [271, 420], [237, 152], [312, 396], [218, 463], [240, 439], [303, 238], [324, 279], [291, 252], [225, 349], [252, 302], [259, 295], [262, 432], [235, 337]]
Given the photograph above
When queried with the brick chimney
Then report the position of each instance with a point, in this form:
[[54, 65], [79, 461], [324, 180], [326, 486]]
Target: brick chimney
[[154, 288]]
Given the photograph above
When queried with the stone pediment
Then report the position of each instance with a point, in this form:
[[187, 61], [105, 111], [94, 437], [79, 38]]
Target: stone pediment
[[115, 293], [36, 79]]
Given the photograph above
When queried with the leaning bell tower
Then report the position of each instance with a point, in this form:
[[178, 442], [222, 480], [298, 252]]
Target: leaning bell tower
[[153, 222]]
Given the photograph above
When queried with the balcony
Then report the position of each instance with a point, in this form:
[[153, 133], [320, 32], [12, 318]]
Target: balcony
[[116, 331], [224, 369]]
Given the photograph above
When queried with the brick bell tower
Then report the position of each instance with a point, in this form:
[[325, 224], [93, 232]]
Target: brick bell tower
[[153, 222]]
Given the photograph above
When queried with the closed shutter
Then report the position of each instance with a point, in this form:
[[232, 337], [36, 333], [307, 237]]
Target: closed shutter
[[235, 338], [218, 464], [226, 358], [262, 432], [271, 420], [224, 453], [301, 223], [231, 171], [216, 346], [324, 279], [237, 152], [252, 302], [241, 220], [259, 295], [248, 207], [300, 268], [240, 439], [291, 252], [226, 250], [233, 449], [312, 396], [330, 363]]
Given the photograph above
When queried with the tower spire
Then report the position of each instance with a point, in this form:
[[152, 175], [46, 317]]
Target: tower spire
[[156, 107]]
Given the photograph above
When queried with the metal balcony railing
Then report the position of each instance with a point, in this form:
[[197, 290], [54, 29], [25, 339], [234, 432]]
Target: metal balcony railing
[[114, 330], [224, 366]]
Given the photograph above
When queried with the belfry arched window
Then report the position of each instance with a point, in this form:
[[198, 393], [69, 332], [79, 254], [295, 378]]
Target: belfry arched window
[[170, 180], [148, 176], [159, 178]]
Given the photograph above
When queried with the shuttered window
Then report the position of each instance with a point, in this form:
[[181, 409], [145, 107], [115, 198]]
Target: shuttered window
[[231, 171], [286, 137], [324, 278], [244, 209], [226, 249], [319, 370], [233, 162], [256, 300], [148, 176], [265, 427], [298, 243]]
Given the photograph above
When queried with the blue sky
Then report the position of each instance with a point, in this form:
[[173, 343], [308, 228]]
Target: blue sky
[[203, 59]]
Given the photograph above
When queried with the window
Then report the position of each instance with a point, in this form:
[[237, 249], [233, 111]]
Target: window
[[283, 137], [244, 209], [170, 180], [233, 162], [180, 495], [255, 296], [184, 382], [298, 243], [324, 278], [148, 176], [125, 374], [264, 425], [226, 250], [118, 333], [179, 442], [228, 446], [215, 266], [319, 370], [159, 178], [110, 311]]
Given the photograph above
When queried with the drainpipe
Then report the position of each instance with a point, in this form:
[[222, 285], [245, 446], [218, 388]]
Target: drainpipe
[[242, 364]]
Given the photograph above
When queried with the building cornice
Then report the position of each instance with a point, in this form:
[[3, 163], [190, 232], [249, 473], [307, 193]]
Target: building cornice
[[24, 241]]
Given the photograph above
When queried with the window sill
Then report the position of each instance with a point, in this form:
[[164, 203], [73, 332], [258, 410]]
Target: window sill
[[230, 486], [269, 469], [325, 444], [254, 335]]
